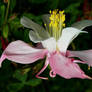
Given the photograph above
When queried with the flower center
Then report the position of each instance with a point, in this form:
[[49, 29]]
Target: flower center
[[56, 24]]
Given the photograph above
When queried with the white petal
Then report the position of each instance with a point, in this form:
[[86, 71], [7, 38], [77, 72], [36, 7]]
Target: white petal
[[38, 36], [82, 24], [46, 20], [28, 23], [37, 33], [49, 44], [68, 35]]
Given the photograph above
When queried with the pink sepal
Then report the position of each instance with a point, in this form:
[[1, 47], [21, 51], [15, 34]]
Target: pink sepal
[[45, 66]]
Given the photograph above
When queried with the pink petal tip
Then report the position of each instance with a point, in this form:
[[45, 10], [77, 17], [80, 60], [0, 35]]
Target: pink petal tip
[[2, 59]]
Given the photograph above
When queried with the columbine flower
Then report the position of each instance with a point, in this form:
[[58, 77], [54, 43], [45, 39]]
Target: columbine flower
[[55, 41]]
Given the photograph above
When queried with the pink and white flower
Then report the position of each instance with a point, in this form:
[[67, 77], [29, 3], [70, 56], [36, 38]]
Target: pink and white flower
[[55, 44]]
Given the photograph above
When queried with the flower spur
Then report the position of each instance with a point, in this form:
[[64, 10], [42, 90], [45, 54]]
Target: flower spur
[[55, 41]]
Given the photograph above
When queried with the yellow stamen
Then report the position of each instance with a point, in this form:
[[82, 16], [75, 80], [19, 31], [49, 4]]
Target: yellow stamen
[[56, 24]]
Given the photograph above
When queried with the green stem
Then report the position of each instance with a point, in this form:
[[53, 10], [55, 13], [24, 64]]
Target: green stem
[[7, 11]]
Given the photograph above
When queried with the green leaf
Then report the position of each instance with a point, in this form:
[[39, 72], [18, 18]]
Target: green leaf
[[26, 36], [15, 87], [12, 4], [73, 11], [34, 82], [15, 23], [72, 8], [6, 71], [20, 76], [37, 1], [54, 4]]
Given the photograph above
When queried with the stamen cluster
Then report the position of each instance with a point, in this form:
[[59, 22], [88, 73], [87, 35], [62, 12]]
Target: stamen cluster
[[56, 24]]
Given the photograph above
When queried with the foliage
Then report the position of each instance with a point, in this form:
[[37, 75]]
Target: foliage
[[21, 78]]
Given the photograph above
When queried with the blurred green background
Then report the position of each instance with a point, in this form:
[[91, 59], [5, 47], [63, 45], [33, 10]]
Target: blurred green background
[[21, 78]]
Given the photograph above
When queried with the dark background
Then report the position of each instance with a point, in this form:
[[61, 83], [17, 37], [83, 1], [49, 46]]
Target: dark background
[[21, 78]]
